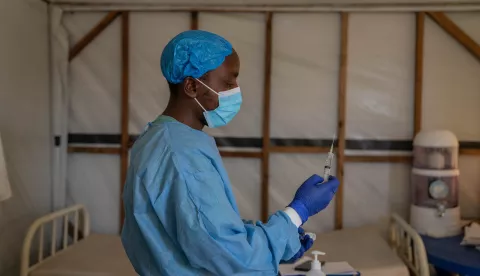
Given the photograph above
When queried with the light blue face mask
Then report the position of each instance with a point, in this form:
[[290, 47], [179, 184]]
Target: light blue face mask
[[229, 103]]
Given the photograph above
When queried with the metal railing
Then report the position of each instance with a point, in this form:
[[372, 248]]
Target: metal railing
[[39, 226], [408, 245]]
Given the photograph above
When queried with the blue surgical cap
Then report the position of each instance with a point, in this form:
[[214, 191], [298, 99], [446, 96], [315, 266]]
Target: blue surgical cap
[[192, 54]]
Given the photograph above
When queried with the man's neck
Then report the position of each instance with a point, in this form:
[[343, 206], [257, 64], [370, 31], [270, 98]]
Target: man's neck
[[183, 115]]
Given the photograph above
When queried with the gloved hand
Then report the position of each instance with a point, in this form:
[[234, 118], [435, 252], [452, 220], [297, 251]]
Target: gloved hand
[[311, 198], [306, 243]]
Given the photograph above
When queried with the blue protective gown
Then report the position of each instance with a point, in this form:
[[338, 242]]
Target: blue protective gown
[[180, 213]]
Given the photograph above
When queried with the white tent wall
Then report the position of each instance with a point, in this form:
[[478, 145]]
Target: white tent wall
[[24, 122], [247, 33], [381, 58], [451, 97], [94, 107], [304, 101]]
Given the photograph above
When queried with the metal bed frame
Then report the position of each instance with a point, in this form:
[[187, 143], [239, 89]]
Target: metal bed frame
[[79, 212], [403, 239], [408, 245]]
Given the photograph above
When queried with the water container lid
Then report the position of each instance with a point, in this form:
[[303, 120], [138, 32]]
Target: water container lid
[[436, 173], [436, 139]]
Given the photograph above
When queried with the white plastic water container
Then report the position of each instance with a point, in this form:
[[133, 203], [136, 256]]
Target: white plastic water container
[[434, 207], [426, 221], [435, 150], [430, 188]]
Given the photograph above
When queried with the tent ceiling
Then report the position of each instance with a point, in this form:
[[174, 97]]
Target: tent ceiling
[[270, 5], [267, 2]]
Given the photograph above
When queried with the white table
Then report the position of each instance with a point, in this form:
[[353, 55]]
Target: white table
[[365, 249]]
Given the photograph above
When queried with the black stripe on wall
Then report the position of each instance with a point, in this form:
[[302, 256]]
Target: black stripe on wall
[[248, 142], [76, 138]]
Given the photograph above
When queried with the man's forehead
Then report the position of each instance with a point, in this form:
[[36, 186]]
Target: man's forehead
[[230, 66], [233, 61]]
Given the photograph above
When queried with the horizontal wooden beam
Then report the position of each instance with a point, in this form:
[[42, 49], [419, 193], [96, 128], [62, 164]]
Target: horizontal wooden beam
[[456, 32], [281, 149], [92, 34], [116, 150], [105, 150], [377, 159], [298, 149], [244, 154], [292, 7], [469, 152]]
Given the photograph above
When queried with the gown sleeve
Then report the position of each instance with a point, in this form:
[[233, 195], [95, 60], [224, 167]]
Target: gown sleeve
[[214, 237]]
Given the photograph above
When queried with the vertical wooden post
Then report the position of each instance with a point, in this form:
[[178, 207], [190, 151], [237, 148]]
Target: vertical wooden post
[[194, 20], [420, 28], [342, 87], [266, 117], [125, 110]]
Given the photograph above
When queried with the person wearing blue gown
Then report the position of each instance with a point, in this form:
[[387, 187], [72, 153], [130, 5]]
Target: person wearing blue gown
[[181, 217]]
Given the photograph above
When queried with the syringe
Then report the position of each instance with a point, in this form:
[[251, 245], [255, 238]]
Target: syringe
[[328, 162]]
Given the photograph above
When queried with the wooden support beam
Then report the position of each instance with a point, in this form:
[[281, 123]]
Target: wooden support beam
[[243, 154], [300, 150], [266, 117], [379, 159], [470, 152], [194, 20], [124, 146], [296, 149], [92, 34], [420, 29], [452, 29], [104, 150], [342, 94]]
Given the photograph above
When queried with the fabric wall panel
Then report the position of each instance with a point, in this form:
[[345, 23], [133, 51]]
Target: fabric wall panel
[[244, 175], [246, 32], [149, 93], [373, 191], [94, 180], [287, 173], [380, 77], [304, 79], [95, 76], [469, 186], [451, 83]]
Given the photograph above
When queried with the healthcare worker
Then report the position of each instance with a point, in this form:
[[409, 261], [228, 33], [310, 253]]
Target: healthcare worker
[[181, 217]]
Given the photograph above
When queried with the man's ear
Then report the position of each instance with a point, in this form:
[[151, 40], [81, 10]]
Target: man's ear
[[190, 87]]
